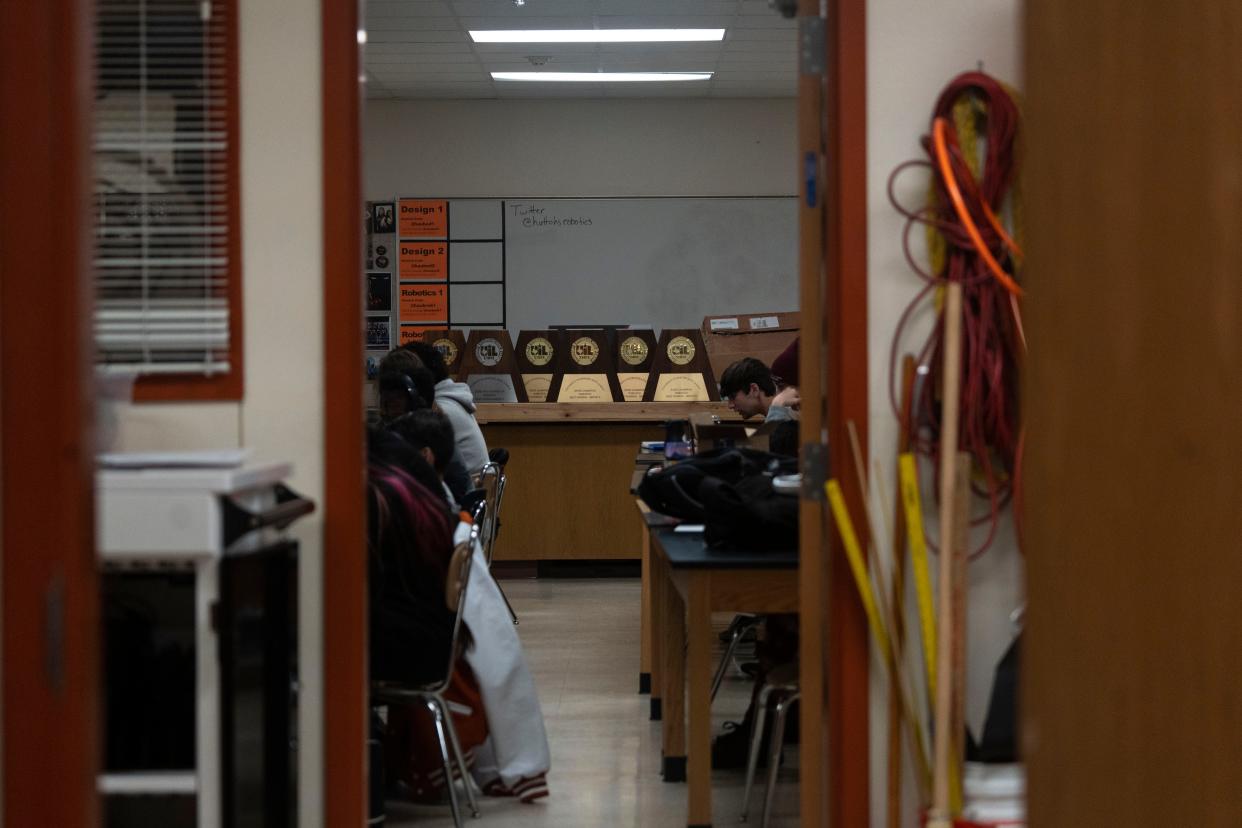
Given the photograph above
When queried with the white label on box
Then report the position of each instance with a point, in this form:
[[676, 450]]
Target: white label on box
[[760, 323], [729, 324]]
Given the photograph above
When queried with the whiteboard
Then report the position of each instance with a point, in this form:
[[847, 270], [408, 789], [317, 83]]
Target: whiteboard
[[663, 262]]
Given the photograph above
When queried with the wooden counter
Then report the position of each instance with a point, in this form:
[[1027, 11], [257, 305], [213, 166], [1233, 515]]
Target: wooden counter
[[568, 494], [597, 412]]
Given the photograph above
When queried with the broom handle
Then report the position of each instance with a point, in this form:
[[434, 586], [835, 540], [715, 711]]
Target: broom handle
[[897, 591], [950, 400]]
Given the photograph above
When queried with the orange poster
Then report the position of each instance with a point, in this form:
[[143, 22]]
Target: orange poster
[[422, 219], [424, 260], [424, 303], [411, 333]]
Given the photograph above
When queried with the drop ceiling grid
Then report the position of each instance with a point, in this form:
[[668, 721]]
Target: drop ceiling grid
[[422, 49]]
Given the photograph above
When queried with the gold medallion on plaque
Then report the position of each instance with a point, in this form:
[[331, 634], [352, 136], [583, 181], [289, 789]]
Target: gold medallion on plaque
[[634, 350], [539, 351], [489, 352], [585, 350], [447, 349], [680, 350]]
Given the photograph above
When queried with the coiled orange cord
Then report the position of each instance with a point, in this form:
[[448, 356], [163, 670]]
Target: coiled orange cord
[[950, 183]]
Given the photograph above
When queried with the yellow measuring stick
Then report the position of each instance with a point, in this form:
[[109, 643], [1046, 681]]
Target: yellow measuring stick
[[918, 556], [853, 552]]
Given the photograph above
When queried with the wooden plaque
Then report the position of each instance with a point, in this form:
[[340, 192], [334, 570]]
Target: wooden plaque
[[680, 370], [450, 343], [489, 368], [635, 351], [537, 353], [585, 369]]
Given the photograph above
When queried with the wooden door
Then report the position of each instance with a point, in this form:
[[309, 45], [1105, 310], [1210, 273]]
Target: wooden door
[[1133, 400], [50, 588]]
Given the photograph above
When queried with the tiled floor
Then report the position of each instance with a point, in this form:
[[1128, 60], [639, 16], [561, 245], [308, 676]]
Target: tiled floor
[[581, 641]]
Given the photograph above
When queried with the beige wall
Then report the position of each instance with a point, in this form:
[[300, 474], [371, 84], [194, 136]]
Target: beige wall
[[579, 148], [913, 50], [280, 417], [282, 203]]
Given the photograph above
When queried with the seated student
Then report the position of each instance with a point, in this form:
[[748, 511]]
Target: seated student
[[411, 388], [514, 759], [410, 543], [405, 361], [747, 386], [785, 374], [429, 433], [456, 401], [398, 395]]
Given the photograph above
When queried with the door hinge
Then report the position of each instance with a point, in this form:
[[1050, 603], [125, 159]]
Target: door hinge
[[814, 466], [811, 46]]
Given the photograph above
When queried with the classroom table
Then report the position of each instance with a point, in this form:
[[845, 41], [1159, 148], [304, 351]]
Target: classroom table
[[689, 582]]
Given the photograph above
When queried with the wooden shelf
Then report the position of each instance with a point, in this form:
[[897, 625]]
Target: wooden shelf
[[623, 412]]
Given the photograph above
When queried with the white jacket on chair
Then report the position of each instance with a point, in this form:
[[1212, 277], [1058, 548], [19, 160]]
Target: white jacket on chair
[[518, 745]]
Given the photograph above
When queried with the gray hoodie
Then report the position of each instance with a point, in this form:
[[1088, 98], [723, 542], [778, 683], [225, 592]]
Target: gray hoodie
[[457, 403]]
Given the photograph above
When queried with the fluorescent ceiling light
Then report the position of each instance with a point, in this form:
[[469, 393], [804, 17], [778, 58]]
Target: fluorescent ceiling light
[[597, 35], [601, 77]]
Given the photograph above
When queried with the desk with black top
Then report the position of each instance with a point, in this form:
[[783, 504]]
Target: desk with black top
[[689, 582]]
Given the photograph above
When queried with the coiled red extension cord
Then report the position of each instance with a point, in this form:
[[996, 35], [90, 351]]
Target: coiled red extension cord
[[989, 426]]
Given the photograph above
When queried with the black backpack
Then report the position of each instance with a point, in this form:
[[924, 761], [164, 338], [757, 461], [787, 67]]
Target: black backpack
[[749, 514], [680, 490]]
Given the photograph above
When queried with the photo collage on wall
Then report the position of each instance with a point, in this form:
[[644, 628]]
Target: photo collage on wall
[[380, 241], [431, 263]]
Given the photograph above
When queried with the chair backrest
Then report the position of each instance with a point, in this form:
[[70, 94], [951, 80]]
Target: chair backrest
[[489, 480], [455, 587], [494, 524]]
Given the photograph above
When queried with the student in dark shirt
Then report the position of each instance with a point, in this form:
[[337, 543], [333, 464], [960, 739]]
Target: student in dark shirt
[[406, 387], [429, 433], [410, 543]]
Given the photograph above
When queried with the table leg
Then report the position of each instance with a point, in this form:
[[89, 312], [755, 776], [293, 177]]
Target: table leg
[[644, 632], [655, 630], [699, 666], [672, 651]]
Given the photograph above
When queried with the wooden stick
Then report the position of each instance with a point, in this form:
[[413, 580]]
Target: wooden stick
[[879, 627], [941, 814], [897, 591], [956, 636], [899, 680]]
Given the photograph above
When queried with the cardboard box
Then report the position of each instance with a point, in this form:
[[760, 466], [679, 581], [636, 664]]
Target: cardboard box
[[760, 335]]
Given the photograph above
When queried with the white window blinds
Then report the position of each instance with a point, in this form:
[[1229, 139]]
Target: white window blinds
[[162, 180]]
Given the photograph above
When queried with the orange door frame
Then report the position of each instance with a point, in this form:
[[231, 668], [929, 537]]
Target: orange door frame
[[835, 646], [50, 585], [845, 315], [344, 533]]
